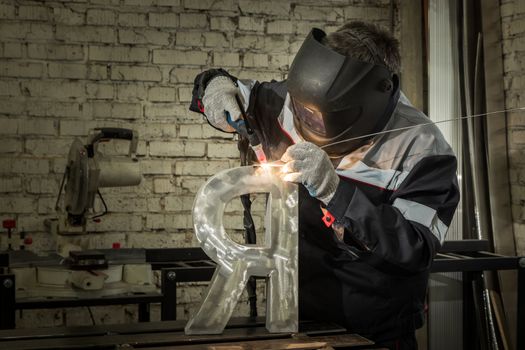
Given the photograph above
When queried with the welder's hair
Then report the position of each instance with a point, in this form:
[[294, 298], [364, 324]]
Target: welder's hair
[[366, 42]]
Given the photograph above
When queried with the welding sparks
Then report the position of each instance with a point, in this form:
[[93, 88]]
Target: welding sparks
[[278, 163], [280, 169], [265, 168]]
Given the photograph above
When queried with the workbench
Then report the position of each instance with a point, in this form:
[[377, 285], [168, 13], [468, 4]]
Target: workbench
[[180, 265], [242, 333]]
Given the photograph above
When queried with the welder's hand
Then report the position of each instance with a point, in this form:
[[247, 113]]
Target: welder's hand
[[308, 164], [219, 97]]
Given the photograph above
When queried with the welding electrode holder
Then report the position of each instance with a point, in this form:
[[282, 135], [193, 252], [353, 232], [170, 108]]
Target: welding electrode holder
[[242, 126]]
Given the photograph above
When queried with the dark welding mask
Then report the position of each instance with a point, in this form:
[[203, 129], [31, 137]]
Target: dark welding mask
[[336, 98]]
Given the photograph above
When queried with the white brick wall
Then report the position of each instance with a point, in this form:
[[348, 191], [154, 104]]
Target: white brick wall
[[513, 29], [69, 66]]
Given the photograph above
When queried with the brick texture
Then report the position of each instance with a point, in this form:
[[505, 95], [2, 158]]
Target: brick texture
[[513, 30], [70, 66]]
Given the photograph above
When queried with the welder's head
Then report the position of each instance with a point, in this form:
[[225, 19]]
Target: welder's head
[[344, 85]]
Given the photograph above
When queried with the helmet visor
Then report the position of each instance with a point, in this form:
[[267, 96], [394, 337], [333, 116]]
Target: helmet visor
[[309, 117]]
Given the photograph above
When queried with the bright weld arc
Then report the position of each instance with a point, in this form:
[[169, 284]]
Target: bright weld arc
[[270, 165]]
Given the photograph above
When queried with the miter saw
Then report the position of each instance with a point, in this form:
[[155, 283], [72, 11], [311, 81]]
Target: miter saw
[[71, 271], [87, 170]]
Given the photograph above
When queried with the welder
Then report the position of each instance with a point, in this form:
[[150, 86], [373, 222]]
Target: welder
[[374, 205]]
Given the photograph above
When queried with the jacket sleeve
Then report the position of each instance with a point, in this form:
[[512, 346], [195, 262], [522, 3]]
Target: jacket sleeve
[[201, 82], [401, 235], [199, 86]]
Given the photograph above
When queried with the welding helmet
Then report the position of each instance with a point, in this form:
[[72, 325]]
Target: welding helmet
[[336, 97]]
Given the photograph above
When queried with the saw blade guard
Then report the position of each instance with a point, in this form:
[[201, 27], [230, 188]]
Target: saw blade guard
[[77, 179], [88, 170]]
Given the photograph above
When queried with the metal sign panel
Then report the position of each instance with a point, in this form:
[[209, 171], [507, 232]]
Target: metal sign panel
[[276, 260]]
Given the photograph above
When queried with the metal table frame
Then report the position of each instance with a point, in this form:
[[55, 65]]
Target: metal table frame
[[471, 257], [243, 332], [176, 265], [192, 265]]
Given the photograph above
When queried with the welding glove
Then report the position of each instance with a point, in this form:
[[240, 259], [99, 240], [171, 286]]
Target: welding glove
[[219, 97], [308, 164]]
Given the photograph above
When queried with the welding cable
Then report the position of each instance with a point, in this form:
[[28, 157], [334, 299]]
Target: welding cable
[[249, 226]]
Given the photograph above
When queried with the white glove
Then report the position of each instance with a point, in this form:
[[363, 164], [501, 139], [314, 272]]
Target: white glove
[[308, 164], [219, 96]]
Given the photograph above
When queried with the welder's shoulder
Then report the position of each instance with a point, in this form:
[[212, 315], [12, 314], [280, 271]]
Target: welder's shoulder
[[273, 90], [270, 97], [422, 137]]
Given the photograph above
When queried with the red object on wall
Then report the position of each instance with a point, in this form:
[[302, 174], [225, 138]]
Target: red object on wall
[[9, 223]]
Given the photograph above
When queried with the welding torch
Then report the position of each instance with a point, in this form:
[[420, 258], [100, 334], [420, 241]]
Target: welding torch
[[243, 128]]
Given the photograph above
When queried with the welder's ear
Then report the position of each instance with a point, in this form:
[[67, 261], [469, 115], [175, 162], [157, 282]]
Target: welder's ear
[[386, 85]]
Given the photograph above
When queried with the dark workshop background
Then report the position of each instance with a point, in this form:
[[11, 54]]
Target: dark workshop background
[[69, 66]]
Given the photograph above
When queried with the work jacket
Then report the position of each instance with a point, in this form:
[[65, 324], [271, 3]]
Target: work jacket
[[396, 198]]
